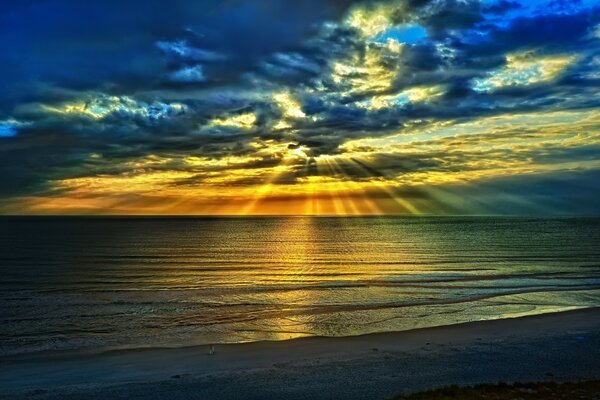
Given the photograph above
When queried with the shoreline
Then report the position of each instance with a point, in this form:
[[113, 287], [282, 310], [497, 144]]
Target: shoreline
[[92, 352], [562, 345]]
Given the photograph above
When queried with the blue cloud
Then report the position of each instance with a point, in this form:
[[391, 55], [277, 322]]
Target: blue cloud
[[188, 74], [9, 128], [180, 48]]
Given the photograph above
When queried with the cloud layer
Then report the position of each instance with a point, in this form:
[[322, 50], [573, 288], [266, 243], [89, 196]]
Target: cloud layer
[[407, 106]]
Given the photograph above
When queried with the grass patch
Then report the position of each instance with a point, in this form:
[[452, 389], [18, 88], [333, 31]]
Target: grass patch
[[586, 390]]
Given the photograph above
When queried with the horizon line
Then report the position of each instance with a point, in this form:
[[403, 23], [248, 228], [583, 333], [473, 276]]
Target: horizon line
[[296, 215]]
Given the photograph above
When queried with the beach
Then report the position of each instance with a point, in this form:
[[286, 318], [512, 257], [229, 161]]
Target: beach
[[561, 346]]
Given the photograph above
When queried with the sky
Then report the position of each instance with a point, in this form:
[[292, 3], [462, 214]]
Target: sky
[[444, 107]]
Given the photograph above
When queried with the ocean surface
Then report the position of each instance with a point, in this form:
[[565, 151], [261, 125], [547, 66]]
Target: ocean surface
[[104, 283]]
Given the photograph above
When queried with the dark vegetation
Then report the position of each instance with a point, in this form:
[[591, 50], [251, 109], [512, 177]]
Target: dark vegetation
[[587, 390]]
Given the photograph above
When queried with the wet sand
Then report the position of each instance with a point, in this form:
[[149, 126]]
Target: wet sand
[[558, 346]]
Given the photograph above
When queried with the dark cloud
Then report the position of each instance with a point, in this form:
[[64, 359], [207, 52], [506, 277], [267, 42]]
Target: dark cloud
[[444, 15], [554, 32], [501, 7], [113, 44]]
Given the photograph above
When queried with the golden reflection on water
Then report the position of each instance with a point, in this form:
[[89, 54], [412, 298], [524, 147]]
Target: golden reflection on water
[[294, 244], [308, 256]]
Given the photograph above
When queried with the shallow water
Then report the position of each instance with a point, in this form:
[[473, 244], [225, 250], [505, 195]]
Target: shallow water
[[96, 283]]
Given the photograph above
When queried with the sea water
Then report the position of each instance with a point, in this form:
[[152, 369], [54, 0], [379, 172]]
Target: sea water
[[99, 283]]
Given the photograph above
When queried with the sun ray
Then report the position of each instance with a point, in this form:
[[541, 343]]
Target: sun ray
[[369, 206], [338, 207], [341, 189], [265, 188], [310, 205], [405, 204]]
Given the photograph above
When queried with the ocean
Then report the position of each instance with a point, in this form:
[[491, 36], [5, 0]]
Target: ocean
[[98, 283]]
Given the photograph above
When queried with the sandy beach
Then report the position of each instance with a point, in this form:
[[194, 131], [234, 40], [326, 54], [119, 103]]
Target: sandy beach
[[558, 346]]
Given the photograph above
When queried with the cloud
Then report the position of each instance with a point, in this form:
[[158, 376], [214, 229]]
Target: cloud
[[288, 105], [441, 16], [373, 19], [412, 95], [113, 43], [501, 7], [523, 69], [239, 121], [10, 127], [98, 106], [188, 74], [180, 48]]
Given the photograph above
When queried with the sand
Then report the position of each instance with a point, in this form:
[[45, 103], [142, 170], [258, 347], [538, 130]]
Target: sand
[[558, 346]]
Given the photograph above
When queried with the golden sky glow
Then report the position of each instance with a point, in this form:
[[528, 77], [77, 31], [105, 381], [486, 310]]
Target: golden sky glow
[[464, 153]]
